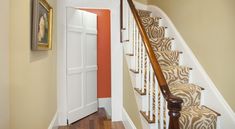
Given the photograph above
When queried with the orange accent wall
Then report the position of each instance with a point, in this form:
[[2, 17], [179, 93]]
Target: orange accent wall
[[104, 52]]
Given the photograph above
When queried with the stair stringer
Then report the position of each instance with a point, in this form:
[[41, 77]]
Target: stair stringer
[[198, 74], [140, 99], [133, 78]]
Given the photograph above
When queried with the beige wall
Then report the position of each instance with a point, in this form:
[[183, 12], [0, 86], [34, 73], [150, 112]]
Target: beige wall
[[129, 101], [208, 28], [142, 1], [32, 74], [4, 64]]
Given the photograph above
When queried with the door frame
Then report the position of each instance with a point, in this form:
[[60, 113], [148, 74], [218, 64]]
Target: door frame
[[116, 55]]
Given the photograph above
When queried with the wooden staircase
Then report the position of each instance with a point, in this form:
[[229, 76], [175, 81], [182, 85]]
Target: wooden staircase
[[168, 98]]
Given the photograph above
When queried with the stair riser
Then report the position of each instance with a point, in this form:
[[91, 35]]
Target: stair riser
[[127, 47], [144, 13], [190, 98], [148, 22], [129, 60], [146, 125], [141, 101], [133, 63], [177, 75], [166, 59], [155, 33], [161, 45], [207, 121], [138, 81]]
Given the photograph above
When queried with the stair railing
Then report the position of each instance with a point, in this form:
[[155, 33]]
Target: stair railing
[[152, 81]]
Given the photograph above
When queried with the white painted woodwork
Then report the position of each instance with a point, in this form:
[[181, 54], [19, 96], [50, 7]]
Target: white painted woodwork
[[116, 54], [81, 64]]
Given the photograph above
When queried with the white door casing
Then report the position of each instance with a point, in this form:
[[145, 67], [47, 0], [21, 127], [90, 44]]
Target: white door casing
[[81, 64], [116, 55]]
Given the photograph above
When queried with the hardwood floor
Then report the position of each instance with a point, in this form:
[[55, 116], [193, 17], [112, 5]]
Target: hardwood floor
[[97, 120]]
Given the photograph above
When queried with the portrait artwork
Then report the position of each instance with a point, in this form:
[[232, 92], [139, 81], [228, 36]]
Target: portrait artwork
[[41, 25]]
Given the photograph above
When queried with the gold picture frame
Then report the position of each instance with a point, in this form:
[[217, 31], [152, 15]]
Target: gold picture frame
[[42, 22]]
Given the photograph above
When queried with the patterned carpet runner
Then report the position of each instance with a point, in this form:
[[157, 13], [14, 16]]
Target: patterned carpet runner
[[193, 114]]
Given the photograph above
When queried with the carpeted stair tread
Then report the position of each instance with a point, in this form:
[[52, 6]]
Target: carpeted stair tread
[[190, 93], [198, 117], [161, 44], [167, 58], [193, 115], [144, 13], [150, 21], [176, 74], [155, 32]]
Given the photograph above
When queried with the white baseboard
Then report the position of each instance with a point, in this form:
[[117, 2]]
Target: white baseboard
[[127, 120], [54, 123], [106, 104]]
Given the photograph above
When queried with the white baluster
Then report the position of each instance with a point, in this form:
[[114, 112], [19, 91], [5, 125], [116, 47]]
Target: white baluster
[[140, 59], [161, 112], [147, 86], [130, 31], [134, 44], [132, 34], [156, 88], [143, 68], [132, 37], [151, 93], [137, 49]]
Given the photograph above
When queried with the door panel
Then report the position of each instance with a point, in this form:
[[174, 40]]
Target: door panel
[[75, 83], [91, 96], [75, 53], [89, 20], [91, 50], [81, 64]]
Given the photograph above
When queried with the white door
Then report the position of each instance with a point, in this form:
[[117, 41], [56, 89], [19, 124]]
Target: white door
[[81, 64]]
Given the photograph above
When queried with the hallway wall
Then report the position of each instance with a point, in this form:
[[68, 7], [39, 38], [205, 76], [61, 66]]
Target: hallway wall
[[32, 73], [4, 63], [208, 28], [142, 1]]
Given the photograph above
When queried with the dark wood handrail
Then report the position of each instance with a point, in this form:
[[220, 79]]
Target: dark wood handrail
[[173, 102]]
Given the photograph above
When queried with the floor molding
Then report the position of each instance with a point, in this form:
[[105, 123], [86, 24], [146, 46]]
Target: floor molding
[[106, 104], [54, 123], [128, 123]]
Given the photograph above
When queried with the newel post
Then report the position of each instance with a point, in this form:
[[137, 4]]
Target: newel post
[[174, 107]]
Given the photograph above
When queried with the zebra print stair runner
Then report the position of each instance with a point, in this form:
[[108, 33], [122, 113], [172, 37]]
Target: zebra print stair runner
[[193, 115]]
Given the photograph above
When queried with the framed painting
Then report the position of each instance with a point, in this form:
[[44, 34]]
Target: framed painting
[[42, 16]]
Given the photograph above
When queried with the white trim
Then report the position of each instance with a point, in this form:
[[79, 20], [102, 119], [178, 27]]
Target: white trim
[[116, 54], [128, 123], [106, 104], [61, 62], [54, 123], [140, 5], [199, 75]]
